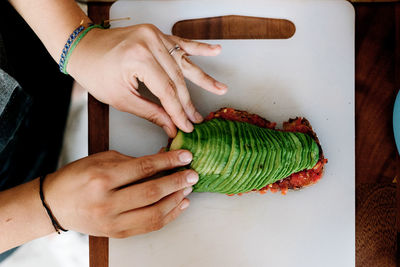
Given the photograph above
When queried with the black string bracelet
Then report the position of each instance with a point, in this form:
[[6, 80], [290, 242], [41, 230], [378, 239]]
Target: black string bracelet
[[56, 225]]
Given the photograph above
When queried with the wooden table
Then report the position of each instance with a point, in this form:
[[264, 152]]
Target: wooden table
[[377, 161]]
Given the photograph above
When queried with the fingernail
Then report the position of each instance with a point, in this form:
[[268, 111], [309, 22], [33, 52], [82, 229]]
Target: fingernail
[[220, 85], [184, 205], [185, 157], [189, 126], [198, 116], [187, 191], [192, 178], [215, 46]]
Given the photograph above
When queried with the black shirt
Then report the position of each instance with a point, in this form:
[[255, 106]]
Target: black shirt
[[34, 102]]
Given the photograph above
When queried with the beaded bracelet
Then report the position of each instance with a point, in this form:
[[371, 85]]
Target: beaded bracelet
[[68, 44], [65, 63], [72, 43]]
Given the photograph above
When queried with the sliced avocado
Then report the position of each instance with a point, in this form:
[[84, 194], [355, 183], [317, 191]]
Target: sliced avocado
[[234, 157], [240, 176]]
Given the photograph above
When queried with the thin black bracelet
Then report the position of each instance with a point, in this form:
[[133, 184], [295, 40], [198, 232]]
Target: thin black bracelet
[[56, 225]]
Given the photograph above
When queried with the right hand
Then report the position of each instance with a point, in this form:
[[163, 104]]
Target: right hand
[[109, 63], [95, 195]]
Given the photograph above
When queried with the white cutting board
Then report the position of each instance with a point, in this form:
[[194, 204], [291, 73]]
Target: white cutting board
[[311, 75]]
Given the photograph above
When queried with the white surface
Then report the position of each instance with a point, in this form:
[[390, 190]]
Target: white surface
[[311, 75], [70, 249]]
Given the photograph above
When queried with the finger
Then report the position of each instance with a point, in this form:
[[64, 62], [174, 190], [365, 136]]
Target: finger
[[173, 214], [147, 193], [199, 77], [193, 72], [158, 81], [196, 48], [163, 149], [143, 167], [175, 73], [135, 104], [152, 218]]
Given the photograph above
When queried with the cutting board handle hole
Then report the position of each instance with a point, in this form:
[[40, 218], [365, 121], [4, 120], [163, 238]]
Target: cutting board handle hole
[[234, 27]]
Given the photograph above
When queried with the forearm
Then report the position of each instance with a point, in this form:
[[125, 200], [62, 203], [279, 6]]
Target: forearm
[[52, 20], [22, 216]]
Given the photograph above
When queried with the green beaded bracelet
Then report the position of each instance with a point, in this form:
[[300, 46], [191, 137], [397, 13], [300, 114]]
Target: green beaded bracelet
[[64, 69]]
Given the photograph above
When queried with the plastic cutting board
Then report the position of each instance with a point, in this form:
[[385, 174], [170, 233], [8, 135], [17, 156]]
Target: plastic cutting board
[[310, 75]]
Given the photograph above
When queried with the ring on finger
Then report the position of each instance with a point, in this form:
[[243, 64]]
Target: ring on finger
[[174, 49]]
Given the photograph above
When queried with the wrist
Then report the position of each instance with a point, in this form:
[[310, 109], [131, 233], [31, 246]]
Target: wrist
[[22, 216], [54, 221], [73, 41], [80, 58]]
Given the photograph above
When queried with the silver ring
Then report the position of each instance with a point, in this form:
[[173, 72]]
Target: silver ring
[[173, 49]]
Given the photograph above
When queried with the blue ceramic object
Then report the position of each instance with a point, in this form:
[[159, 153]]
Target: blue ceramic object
[[396, 121]]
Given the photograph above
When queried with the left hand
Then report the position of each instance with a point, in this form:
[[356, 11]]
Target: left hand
[[108, 64]]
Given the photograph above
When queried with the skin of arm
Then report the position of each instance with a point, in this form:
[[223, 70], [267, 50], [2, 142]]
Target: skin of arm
[[52, 21], [22, 216]]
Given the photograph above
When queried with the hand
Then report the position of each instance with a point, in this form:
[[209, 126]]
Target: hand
[[96, 195], [109, 63]]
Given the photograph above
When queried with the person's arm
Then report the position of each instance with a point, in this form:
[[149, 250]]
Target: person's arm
[[100, 195], [22, 216], [109, 63], [52, 21]]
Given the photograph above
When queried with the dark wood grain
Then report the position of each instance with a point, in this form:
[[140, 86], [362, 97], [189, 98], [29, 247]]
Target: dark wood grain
[[377, 164], [98, 140], [375, 93], [376, 220], [234, 27]]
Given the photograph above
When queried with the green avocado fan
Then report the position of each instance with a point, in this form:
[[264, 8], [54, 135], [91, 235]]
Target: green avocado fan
[[234, 157]]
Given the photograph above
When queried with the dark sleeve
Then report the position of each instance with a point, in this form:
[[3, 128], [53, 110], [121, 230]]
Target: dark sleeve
[[34, 103]]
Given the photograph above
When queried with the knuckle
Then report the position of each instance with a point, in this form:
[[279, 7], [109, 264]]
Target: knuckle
[[148, 29], [114, 154], [186, 63], [99, 182], [189, 105], [153, 117], [184, 40], [177, 199], [153, 193], [156, 220], [180, 180], [174, 215], [120, 235], [179, 75], [172, 159], [205, 76], [170, 89], [180, 114], [139, 49], [146, 166]]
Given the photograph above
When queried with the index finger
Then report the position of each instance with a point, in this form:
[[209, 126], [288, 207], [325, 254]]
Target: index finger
[[143, 167], [162, 86]]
